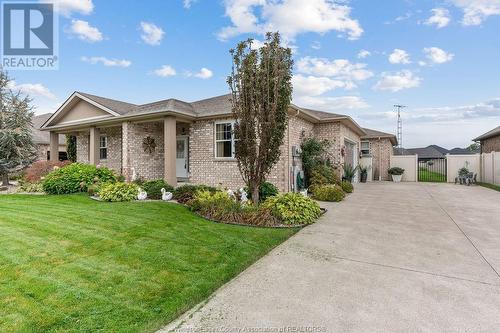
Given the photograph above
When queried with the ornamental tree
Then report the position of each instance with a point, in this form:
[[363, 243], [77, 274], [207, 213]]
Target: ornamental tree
[[17, 150], [261, 89]]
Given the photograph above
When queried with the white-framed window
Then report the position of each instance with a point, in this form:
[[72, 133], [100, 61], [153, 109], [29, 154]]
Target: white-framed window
[[365, 148], [103, 147], [224, 139]]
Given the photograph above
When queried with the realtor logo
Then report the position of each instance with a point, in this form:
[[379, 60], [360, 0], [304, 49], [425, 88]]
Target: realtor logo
[[29, 32]]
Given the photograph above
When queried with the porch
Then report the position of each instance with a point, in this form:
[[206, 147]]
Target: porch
[[148, 149]]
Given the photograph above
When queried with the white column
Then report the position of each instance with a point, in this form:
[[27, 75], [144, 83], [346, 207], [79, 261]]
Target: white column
[[54, 146], [169, 137], [94, 146]]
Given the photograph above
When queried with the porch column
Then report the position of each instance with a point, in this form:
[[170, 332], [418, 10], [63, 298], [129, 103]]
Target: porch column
[[169, 137], [94, 146], [54, 146]]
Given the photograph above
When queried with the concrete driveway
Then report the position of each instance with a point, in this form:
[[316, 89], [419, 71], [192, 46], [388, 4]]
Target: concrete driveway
[[391, 257]]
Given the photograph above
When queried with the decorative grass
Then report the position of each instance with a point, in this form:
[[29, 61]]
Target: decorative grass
[[72, 264]]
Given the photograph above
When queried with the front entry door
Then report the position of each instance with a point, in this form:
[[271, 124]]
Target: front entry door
[[181, 161]]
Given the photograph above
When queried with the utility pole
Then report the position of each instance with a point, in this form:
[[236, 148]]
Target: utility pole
[[399, 107]]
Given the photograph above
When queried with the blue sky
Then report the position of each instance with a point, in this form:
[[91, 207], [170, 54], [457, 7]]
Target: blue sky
[[441, 58]]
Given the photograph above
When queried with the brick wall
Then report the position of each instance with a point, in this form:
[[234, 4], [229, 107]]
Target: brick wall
[[491, 144], [114, 158], [381, 151]]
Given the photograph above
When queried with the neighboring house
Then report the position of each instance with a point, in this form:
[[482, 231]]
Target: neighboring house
[[42, 140], [436, 152], [189, 142], [379, 146], [490, 141]]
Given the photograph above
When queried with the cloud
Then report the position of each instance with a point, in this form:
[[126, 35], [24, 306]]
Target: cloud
[[364, 54], [187, 3], [315, 86], [437, 55], [32, 89], [332, 103], [84, 31], [440, 18], [165, 71], [151, 33], [204, 74], [107, 62], [399, 56], [68, 7], [340, 69], [397, 81], [290, 17], [316, 45], [476, 11]]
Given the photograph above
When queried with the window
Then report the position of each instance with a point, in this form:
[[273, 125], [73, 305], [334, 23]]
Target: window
[[103, 147], [365, 148], [224, 140]]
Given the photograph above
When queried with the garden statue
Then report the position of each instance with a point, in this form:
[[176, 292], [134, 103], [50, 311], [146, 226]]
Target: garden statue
[[142, 195], [230, 193], [244, 196], [304, 192], [166, 196]]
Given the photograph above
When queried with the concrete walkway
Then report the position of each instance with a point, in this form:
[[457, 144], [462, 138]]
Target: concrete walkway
[[391, 257]]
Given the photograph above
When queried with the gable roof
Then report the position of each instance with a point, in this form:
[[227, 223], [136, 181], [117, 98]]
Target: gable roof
[[373, 134], [489, 134], [426, 152], [206, 108]]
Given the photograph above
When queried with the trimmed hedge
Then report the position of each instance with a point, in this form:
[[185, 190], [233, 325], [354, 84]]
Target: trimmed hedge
[[332, 193], [76, 177]]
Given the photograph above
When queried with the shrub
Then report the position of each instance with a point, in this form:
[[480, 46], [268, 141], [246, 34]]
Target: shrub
[[396, 171], [153, 188], [347, 187], [332, 193], [323, 174], [76, 177], [115, 192], [185, 193], [293, 208], [266, 190], [220, 207], [40, 169], [25, 186]]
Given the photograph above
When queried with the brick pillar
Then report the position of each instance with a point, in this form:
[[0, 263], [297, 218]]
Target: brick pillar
[[54, 146], [169, 137], [94, 146], [126, 167]]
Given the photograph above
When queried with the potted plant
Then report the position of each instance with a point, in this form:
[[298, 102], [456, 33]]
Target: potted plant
[[396, 173], [349, 172], [363, 171]]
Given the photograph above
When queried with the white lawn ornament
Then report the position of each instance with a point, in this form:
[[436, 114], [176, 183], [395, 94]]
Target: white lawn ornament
[[230, 193], [166, 196], [142, 195], [244, 196], [304, 192]]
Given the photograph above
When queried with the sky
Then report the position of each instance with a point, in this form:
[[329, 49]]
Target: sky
[[358, 57]]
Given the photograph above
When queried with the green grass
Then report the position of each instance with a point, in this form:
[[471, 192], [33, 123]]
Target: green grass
[[492, 186], [431, 176], [71, 264]]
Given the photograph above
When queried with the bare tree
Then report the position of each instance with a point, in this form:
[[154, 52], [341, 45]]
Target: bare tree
[[261, 89]]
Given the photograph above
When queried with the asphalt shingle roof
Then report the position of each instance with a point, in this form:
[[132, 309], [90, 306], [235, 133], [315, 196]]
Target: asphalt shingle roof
[[489, 134], [112, 104], [41, 137]]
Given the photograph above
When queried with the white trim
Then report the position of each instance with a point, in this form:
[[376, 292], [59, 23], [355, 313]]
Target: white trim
[[85, 119], [225, 158], [86, 99]]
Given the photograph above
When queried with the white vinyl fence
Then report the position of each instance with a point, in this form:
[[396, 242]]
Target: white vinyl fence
[[490, 167], [456, 162], [367, 162], [407, 162]]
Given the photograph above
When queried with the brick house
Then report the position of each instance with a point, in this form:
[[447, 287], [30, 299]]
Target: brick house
[[42, 141], [490, 141], [192, 142], [379, 146]]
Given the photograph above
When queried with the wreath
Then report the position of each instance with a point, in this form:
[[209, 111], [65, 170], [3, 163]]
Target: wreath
[[148, 144]]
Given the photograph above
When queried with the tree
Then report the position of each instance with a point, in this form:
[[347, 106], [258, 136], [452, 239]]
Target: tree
[[71, 147], [474, 147], [261, 89], [17, 150]]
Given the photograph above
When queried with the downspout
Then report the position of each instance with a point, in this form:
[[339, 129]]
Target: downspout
[[379, 161]]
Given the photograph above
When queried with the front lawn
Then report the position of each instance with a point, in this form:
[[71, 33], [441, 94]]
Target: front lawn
[[68, 263]]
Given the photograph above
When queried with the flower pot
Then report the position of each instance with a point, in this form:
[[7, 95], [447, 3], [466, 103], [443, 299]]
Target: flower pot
[[364, 177], [396, 178]]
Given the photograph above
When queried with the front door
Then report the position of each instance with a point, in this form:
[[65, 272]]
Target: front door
[[181, 161]]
